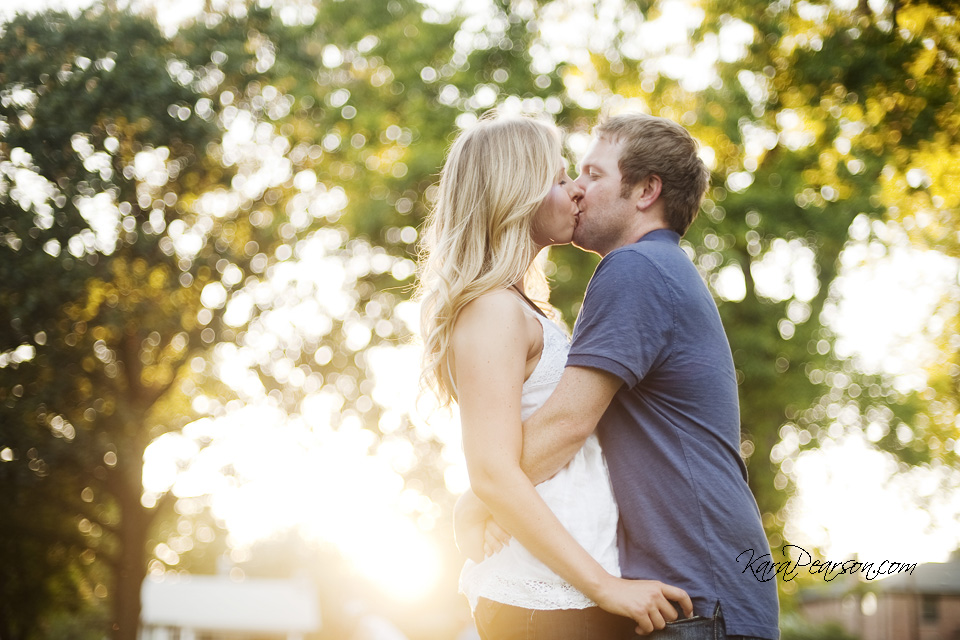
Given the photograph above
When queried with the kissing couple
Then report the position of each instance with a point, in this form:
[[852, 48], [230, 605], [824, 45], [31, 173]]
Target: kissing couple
[[608, 496]]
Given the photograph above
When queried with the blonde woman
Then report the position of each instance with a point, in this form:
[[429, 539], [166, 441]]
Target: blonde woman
[[504, 196]]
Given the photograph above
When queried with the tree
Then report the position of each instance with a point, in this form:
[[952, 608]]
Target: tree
[[151, 183], [156, 195], [815, 124], [75, 117], [873, 94]]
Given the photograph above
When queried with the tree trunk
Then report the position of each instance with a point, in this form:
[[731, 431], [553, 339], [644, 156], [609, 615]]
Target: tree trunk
[[6, 632], [134, 527], [130, 572]]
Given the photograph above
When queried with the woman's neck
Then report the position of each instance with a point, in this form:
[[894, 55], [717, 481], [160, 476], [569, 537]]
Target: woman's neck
[[519, 284]]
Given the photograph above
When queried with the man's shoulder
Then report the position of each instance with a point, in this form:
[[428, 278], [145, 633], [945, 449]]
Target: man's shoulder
[[667, 259], [628, 277], [640, 258], [631, 256], [650, 250]]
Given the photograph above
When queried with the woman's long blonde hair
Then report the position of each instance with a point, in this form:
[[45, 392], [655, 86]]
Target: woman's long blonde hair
[[478, 237]]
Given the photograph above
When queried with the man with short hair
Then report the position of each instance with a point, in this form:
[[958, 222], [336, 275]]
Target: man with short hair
[[650, 368]]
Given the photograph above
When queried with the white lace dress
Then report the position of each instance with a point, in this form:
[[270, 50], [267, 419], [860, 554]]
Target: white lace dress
[[579, 494]]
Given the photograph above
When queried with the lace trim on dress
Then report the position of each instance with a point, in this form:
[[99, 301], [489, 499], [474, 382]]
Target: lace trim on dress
[[538, 594], [553, 356], [525, 592]]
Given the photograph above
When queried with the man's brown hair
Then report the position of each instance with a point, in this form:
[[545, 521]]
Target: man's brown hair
[[657, 146]]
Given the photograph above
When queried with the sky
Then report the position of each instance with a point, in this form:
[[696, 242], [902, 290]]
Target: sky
[[851, 499]]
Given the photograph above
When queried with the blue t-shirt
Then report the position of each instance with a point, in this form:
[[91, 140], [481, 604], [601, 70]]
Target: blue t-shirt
[[671, 435]]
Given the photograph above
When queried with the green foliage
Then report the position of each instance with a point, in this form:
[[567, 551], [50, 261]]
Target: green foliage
[[793, 627], [879, 100], [239, 146], [65, 624], [813, 128], [169, 174], [72, 415]]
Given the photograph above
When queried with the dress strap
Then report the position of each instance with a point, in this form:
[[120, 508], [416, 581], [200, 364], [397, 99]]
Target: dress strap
[[530, 302], [453, 384]]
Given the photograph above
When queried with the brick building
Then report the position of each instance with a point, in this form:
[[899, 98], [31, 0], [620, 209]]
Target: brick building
[[924, 605]]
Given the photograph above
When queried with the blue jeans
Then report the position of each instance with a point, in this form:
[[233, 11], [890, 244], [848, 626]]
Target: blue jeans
[[695, 628], [497, 621]]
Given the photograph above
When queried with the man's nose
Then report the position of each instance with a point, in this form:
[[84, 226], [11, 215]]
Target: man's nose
[[576, 191]]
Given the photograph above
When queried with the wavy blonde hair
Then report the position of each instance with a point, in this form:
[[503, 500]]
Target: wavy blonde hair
[[478, 237]]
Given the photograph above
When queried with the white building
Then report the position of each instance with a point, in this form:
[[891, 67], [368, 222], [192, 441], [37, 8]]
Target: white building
[[219, 608]]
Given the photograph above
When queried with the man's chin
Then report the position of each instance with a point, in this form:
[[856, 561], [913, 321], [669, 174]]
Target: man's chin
[[582, 242]]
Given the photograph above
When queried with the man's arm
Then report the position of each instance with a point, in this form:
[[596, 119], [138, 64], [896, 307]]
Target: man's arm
[[622, 331], [557, 430]]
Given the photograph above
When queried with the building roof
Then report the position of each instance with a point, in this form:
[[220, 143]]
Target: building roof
[[219, 603], [933, 578]]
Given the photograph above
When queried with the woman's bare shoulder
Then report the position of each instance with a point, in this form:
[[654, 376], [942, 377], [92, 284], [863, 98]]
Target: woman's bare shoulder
[[496, 301], [495, 312]]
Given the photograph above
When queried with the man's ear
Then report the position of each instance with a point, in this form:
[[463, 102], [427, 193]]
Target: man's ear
[[647, 192]]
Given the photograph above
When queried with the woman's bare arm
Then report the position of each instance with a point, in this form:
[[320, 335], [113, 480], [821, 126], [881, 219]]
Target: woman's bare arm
[[490, 344]]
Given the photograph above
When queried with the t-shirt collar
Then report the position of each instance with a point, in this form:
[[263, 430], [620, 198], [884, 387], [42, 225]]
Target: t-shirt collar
[[661, 235]]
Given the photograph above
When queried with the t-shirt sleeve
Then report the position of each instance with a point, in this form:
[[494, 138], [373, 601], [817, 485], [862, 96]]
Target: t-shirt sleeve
[[627, 318]]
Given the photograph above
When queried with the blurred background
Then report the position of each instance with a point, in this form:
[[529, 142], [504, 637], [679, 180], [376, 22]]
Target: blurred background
[[209, 217]]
